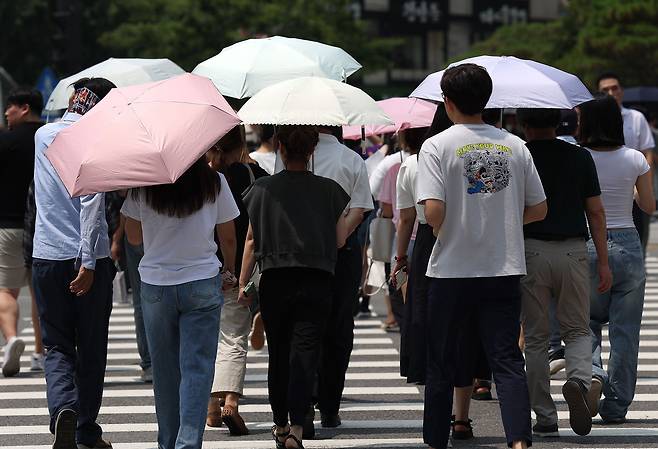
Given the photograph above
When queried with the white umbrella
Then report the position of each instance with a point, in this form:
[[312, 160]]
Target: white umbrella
[[243, 69], [313, 101], [122, 72], [517, 83]]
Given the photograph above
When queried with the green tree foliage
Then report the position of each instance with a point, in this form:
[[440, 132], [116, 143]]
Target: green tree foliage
[[189, 31], [593, 36], [185, 31]]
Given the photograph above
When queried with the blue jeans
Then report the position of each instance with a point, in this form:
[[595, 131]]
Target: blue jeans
[[134, 255], [182, 329], [621, 308]]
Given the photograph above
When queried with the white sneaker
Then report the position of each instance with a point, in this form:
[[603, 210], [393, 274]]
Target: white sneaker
[[13, 352], [37, 362]]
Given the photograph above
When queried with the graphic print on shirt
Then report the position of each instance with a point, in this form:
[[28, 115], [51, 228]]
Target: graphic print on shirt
[[486, 167]]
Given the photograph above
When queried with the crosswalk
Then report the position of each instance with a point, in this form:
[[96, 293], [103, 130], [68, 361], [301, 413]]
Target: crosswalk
[[374, 400], [380, 410]]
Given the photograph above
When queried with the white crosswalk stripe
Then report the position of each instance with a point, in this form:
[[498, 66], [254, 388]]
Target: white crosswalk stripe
[[375, 395]]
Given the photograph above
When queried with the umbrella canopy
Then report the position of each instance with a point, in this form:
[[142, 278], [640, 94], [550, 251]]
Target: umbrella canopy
[[122, 72], [313, 101], [517, 83], [243, 69], [405, 112], [141, 135], [642, 94]]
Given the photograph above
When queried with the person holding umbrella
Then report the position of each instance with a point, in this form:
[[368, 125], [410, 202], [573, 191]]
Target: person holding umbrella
[[296, 225], [72, 275], [181, 291]]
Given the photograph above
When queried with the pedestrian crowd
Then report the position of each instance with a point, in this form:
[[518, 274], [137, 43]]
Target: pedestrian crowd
[[504, 259]]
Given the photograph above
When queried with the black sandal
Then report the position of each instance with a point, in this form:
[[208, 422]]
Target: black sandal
[[294, 438], [461, 434], [482, 390], [279, 444]]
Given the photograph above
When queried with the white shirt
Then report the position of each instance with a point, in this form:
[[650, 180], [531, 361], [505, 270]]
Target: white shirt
[[180, 250], [486, 177], [333, 160], [265, 161], [383, 168], [406, 188], [618, 171], [637, 132], [373, 161]]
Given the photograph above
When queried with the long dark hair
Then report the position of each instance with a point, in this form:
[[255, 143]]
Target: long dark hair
[[411, 139], [601, 123], [197, 186], [440, 122]]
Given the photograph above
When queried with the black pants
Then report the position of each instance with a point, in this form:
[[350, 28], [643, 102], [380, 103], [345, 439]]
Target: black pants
[[294, 303], [74, 330], [493, 306], [396, 298], [339, 336]]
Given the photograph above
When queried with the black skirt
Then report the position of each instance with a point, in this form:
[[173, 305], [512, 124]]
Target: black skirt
[[413, 347]]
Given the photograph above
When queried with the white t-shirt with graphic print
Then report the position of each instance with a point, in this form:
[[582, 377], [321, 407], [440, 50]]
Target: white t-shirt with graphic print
[[486, 177]]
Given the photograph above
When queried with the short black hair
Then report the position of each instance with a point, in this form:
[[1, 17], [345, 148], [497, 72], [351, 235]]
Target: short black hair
[[26, 95], [601, 123], [538, 117], [99, 86], [607, 75], [468, 86]]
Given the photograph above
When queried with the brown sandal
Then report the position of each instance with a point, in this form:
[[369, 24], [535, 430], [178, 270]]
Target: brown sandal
[[234, 421], [214, 417]]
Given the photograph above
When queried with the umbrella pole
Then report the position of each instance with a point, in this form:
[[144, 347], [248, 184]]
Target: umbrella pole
[[363, 140]]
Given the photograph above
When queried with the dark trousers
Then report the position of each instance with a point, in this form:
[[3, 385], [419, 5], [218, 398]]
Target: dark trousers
[[74, 330], [339, 336], [492, 306], [294, 303]]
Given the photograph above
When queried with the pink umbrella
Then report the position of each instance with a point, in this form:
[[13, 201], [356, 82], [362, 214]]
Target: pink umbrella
[[141, 135], [406, 112]]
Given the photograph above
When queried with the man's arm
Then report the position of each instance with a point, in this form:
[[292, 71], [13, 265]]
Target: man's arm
[[535, 213], [92, 211], [598, 229], [435, 213]]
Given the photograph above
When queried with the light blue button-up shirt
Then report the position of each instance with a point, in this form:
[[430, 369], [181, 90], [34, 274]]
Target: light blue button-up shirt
[[66, 228]]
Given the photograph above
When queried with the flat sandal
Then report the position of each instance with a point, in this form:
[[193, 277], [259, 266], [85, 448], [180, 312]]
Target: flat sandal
[[294, 438], [279, 444]]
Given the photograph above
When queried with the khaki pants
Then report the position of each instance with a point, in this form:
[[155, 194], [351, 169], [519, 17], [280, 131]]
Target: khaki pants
[[557, 270], [234, 328]]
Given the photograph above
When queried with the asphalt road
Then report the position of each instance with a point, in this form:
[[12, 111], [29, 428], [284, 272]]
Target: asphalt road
[[379, 410]]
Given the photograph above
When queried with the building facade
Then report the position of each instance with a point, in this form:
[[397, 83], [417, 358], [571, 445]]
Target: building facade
[[437, 31]]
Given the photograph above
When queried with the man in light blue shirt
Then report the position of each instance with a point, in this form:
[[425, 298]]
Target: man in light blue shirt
[[72, 275]]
